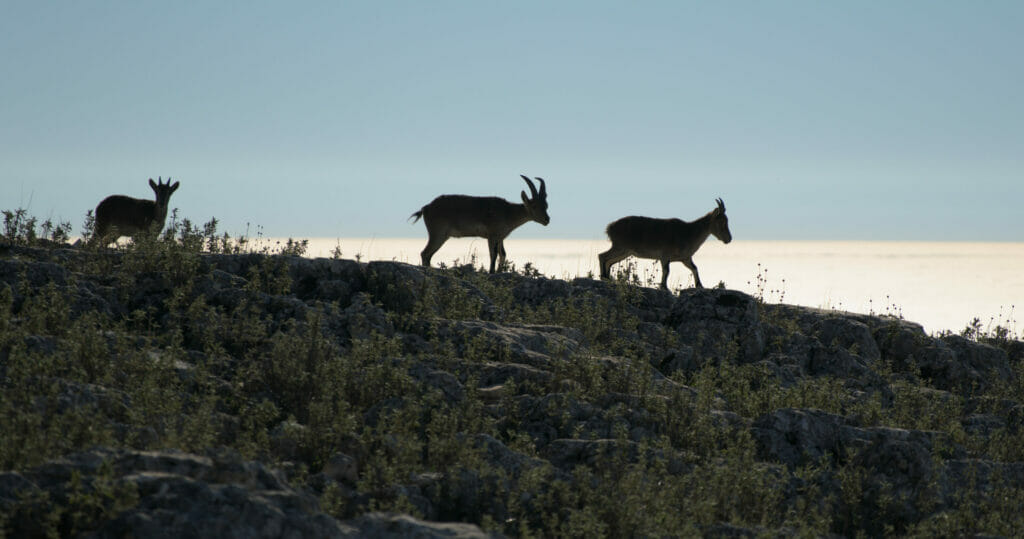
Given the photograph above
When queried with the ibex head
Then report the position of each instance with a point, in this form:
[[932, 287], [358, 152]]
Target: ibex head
[[163, 191], [720, 223], [536, 207]]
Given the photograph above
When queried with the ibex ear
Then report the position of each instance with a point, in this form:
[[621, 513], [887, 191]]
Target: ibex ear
[[175, 186], [525, 200], [152, 184]]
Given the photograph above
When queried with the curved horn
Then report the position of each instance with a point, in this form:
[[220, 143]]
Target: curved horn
[[533, 190], [543, 188], [721, 205]]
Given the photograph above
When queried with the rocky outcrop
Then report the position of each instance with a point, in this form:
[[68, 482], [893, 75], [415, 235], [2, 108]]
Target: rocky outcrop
[[719, 323], [167, 494], [173, 495]]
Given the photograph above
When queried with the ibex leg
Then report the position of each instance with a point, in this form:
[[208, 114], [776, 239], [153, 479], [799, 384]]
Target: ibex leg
[[664, 273], [100, 236], [693, 268], [501, 254], [495, 249], [433, 244], [609, 258]]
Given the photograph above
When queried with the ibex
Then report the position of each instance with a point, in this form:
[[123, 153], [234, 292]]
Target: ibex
[[119, 215], [458, 216], [663, 239]]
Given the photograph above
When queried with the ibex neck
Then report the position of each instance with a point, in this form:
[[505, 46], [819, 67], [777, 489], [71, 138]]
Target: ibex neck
[[703, 229], [159, 212], [519, 215]]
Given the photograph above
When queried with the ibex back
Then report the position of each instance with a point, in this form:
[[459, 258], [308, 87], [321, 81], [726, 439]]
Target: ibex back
[[119, 215], [458, 216], [663, 239]]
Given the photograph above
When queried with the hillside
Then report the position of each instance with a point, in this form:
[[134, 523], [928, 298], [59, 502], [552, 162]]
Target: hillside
[[161, 390]]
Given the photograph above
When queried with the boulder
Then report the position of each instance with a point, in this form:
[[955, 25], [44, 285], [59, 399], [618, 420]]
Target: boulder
[[399, 526], [848, 334], [716, 321], [165, 494], [957, 364]]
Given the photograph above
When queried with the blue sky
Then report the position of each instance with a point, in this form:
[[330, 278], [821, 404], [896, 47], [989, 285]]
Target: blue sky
[[863, 120]]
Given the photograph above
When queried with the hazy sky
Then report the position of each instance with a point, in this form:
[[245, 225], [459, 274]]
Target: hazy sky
[[813, 120]]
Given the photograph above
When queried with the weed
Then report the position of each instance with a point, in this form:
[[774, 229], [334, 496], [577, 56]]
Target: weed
[[22, 229], [763, 291]]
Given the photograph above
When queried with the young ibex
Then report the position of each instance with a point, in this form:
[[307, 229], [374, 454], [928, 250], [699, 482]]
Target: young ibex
[[458, 216], [119, 215], [663, 239]]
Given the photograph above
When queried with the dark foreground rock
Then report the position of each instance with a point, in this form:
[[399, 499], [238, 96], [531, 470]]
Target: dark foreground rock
[[178, 495]]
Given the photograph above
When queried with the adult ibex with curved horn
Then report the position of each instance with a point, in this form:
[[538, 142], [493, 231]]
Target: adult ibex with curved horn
[[494, 218], [663, 239], [119, 215]]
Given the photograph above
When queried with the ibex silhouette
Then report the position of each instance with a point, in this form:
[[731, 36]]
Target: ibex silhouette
[[494, 218], [663, 239], [119, 215]]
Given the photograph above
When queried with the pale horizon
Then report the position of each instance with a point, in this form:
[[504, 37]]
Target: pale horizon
[[940, 285]]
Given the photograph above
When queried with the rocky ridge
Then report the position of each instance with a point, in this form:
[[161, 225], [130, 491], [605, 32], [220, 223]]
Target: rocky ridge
[[557, 396]]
